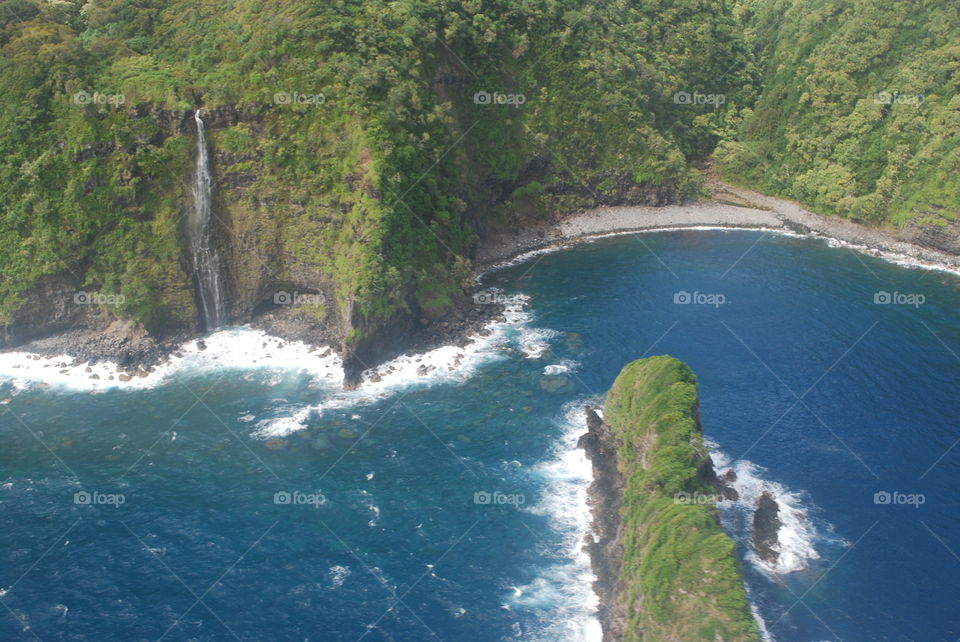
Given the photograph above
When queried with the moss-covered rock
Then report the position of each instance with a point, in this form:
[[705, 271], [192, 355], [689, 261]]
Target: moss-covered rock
[[679, 576]]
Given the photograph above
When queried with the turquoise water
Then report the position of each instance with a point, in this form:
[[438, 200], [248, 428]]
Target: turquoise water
[[451, 506]]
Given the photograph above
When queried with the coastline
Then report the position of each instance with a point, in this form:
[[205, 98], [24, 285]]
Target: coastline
[[729, 208], [137, 354]]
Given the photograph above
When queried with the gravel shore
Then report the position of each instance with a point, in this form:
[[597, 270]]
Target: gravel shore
[[731, 207]]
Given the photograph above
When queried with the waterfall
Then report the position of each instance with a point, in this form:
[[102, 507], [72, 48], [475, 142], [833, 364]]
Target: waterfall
[[203, 253]]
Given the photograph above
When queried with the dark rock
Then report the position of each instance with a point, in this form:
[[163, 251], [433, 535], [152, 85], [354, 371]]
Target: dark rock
[[943, 238], [766, 528], [724, 484], [605, 497], [406, 333]]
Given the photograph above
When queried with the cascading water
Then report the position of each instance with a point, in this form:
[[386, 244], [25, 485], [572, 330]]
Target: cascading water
[[203, 253]]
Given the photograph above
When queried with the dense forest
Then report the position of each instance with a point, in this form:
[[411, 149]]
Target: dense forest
[[860, 110], [360, 148]]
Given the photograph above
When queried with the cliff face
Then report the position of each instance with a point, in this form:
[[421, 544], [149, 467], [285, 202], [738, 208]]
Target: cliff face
[[360, 150], [606, 501], [665, 568]]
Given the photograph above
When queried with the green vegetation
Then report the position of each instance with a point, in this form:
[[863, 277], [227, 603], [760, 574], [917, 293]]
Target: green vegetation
[[681, 571], [860, 109], [350, 153], [362, 147]]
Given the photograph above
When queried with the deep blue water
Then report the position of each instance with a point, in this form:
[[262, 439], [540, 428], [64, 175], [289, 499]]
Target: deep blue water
[[400, 549]]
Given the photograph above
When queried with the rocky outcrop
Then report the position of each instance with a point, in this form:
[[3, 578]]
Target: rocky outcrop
[[665, 569], [51, 307], [177, 122], [944, 238], [605, 496], [725, 483], [766, 529], [415, 331], [59, 317]]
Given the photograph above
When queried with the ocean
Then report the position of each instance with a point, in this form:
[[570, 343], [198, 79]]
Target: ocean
[[239, 493]]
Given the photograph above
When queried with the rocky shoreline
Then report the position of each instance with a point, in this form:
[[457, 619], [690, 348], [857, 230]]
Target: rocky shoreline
[[137, 353], [92, 339], [734, 208], [604, 544]]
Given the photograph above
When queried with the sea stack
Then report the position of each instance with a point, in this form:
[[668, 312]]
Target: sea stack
[[665, 568]]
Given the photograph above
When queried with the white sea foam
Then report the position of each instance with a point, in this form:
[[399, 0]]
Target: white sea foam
[[265, 358], [338, 575], [564, 366], [523, 258], [903, 260], [443, 365], [799, 535], [780, 231], [448, 363], [284, 425], [237, 348], [535, 342], [761, 624], [565, 588]]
